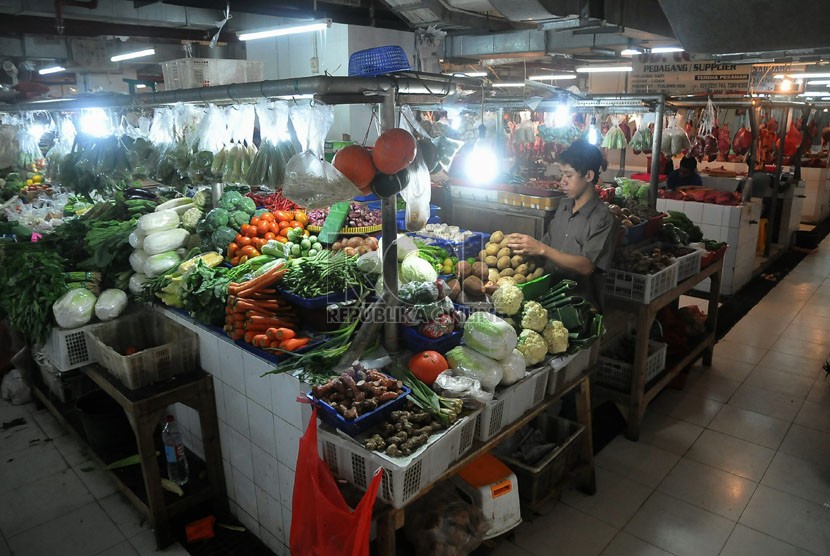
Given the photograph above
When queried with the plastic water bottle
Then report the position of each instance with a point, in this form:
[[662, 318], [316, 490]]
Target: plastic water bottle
[[177, 469]]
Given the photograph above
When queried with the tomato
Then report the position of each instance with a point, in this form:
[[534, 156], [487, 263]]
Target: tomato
[[259, 242], [283, 216], [295, 224], [235, 261], [267, 216], [284, 224], [273, 227], [255, 221], [237, 238], [248, 251], [284, 232], [282, 239], [244, 241], [243, 229], [270, 235], [242, 259], [232, 248], [263, 227], [301, 217]]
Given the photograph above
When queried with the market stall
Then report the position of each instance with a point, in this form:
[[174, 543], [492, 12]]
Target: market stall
[[260, 286]]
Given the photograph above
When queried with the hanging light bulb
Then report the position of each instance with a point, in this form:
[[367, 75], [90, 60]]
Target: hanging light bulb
[[593, 134], [37, 131], [482, 164], [562, 116], [95, 122]]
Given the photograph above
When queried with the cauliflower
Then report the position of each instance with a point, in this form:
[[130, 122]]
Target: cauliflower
[[191, 218], [556, 337], [507, 300], [534, 316], [532, 346]]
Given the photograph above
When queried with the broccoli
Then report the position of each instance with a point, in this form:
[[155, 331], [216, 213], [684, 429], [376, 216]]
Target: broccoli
[[246, 205], [238, 218], [533, 347], [534, 316], [507, 300], [216, 218], [556, 337], [230, 200]]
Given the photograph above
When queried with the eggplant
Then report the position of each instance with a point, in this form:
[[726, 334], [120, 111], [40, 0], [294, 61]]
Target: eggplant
[[137, 193]]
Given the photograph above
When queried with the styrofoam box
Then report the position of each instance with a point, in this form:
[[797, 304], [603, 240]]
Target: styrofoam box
[[403, 478], [510, 403]]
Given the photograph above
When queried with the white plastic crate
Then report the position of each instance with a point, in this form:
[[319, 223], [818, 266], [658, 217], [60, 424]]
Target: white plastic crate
[[572, 366], [403, 478], [617, 374], [688, 265], [510, 403], [68, 348], [66, 386], [190, 73], [640, 287]]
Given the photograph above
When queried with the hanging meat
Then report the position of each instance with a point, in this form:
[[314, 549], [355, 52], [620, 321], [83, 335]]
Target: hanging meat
[[723, 142], [742, 141], [825, 138], [792, 141]]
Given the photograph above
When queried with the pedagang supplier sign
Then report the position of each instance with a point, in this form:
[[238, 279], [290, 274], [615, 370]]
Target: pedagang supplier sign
[[678, 75]]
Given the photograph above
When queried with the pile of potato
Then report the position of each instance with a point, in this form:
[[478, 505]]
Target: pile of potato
[[497, 265]]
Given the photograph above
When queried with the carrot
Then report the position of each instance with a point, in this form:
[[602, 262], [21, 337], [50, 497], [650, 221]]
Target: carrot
[[294, 344], [237, 335], [261, 340], [228, 310], [238, 316], [280, 333], [259, 282], [248, 336], [264, 326]]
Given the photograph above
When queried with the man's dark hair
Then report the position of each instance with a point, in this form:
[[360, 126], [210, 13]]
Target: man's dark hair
[[583, 157], [689, 163]]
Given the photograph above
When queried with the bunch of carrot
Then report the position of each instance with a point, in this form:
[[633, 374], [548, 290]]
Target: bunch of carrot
[[258, 316]]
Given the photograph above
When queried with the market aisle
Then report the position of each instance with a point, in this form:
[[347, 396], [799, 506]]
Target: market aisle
[[736, 464], [55, 501]]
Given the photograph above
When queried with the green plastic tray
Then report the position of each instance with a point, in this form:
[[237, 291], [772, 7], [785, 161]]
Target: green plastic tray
[[535, 288]]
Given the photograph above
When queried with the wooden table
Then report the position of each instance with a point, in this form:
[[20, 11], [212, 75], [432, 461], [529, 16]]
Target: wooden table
[[633, 403], [146, 408], [389, 519]]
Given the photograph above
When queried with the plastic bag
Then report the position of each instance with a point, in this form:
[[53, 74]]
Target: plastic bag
[[451, 384], [615, 138], [470, 363], [29, 152], [444, 524], [418, 192], [111, 303], [14, 388], [312, 182], [322, 523], [275, 148], [74, 308]]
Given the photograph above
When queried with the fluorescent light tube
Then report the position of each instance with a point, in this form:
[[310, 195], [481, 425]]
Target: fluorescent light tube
[[53, 69], [132, 55], [508, 85], [467, 74], [819, 82], [552, 77], [807, 75], [284, 30], [140, 86], [812, 93], [666, 49], [603, 69], [630, 52]]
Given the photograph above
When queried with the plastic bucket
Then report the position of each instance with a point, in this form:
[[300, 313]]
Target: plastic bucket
[[105, 424]]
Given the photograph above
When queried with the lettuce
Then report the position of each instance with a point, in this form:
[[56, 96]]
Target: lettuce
[[75, 308]]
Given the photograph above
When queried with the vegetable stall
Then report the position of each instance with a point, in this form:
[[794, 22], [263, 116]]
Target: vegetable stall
[[270, 257]]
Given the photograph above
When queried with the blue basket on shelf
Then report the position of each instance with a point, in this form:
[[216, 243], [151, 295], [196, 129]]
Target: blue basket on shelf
[[416, 342], [377, 61], [353, 427]]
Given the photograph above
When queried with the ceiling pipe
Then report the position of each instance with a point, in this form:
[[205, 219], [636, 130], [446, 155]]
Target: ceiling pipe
[[59, 4]]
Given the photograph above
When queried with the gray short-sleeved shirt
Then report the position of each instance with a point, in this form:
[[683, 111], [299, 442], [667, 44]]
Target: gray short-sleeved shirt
[[591, 233]]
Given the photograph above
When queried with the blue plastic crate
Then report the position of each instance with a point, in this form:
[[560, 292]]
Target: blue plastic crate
[[276, 356], [417, 342], [366, 198], [353, 427], [635, 234], [378, 61], [320, 302], [430, 220], [469, 248]]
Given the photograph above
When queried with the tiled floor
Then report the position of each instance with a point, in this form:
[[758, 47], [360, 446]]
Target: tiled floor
[[54, 502], [736, 464]]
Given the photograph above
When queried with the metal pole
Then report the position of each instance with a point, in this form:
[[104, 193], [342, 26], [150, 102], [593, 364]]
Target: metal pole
[[773, 202], [389, 221], [752, 113], [656, 144]]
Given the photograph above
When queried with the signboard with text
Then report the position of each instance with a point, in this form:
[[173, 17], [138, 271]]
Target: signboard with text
[[678, 75]]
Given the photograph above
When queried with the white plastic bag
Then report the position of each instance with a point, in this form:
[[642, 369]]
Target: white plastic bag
[[418, 192], [310, 181], [15, 389], [74, 308], [111, 303], [450, 384]]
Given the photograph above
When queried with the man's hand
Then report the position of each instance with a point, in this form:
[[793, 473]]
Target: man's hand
[[522, 244]]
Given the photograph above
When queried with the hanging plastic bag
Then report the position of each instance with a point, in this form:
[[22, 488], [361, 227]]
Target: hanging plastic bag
[[29, 154], [275, 148], [418, 192], [322, 523], [615, 138], [310, 181]]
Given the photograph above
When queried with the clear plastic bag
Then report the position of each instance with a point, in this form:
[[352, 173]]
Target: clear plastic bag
[[418, 192], [275, 148], [442, 523], [310, 181], [29, 152]]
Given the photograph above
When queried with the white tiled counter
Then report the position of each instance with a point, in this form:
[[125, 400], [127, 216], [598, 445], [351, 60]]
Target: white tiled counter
[[737, 226], [817, 194], [260, 424]]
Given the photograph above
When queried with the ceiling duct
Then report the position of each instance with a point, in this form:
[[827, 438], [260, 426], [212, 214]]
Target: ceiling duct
[[747, 26]]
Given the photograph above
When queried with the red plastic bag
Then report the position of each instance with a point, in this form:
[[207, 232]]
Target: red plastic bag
[[322, 524]]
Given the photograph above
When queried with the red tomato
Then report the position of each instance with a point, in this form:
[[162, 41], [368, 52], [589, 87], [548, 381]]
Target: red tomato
[[284, 232], [263, 227], [270, 235], [237, 238], [232, 249], [283, 224], [267, 216], [243, 229], [251, 231], [244, 241], [284, 216], [295, 224], [248, 251], [255, 221], [282, 239]]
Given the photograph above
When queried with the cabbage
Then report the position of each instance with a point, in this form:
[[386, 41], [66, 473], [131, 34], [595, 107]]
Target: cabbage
[[514, 368], [416, 269], [75, 308], [138, 259], [136, 239], [489, 335], [168, 240], [110, 304], [470, 363], [137, 282], [157, 265], [158, 222]]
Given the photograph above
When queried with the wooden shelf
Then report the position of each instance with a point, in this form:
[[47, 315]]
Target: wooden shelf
[[633, 403]]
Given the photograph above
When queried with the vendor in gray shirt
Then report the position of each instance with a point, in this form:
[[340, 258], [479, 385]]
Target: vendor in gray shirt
[[580, 241]]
